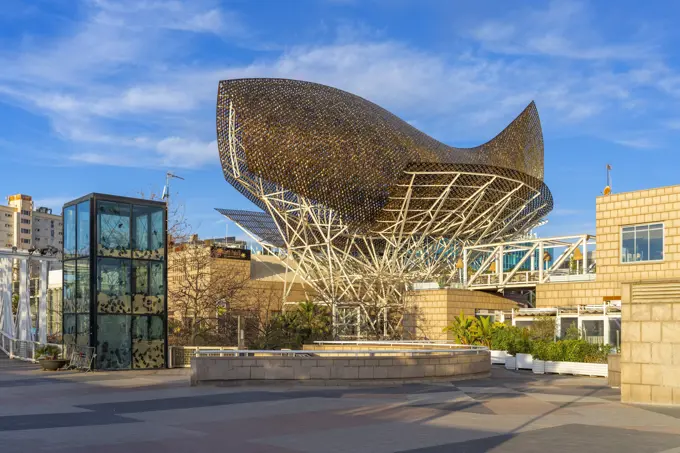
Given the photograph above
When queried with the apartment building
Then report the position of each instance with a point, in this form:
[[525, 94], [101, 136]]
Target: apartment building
[[24, 227]]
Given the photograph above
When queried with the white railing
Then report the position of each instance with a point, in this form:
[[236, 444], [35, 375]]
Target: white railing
[[21, 349]]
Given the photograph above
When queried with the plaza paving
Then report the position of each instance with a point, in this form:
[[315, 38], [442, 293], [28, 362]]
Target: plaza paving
[[158, 411]]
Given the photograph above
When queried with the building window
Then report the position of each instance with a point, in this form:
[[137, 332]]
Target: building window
[[26, 241], [26, 212], [642, 243], [26, 221], [25, 231]]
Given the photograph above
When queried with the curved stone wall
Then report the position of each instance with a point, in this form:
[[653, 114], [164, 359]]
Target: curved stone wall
[[455, 365]]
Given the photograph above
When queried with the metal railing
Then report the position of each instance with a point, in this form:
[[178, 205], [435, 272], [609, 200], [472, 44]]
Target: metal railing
[[424, 343], [336, 353], [21, 349], [180, 356]]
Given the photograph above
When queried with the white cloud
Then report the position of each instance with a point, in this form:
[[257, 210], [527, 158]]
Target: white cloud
[[638, 143], [115, 89], [53, 202], [563, 29], [180, 152]]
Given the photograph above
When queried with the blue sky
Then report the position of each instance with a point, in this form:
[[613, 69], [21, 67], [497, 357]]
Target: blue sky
[[108, 95]]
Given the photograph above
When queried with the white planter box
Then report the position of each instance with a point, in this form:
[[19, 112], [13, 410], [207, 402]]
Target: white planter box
[[524, 361], [509, 362], [539, 366], [578, 368], [498, 357]]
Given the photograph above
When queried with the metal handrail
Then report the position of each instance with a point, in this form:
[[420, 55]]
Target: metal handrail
[[337, 353], [13, 347], [405, 343]]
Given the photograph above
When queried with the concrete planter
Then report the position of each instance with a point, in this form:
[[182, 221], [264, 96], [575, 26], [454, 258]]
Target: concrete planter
[[524, 361], [52, 364], [498, 357], [574, 368], [510, 362]]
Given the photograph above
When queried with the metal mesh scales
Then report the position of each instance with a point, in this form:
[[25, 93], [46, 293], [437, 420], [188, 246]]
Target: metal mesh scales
[[348, 154]]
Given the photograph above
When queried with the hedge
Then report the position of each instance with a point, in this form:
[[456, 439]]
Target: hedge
[[517, 340]]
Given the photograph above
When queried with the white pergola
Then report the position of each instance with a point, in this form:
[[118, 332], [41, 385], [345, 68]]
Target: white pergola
[[16, 331]]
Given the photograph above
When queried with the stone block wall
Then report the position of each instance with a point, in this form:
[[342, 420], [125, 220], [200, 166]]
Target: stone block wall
[[611, 213], [206, 370], [650, 347], [434, 309]]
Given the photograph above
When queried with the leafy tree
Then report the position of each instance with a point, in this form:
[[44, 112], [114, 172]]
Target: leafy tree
[[543, 329], [520, 341], [572, 332]]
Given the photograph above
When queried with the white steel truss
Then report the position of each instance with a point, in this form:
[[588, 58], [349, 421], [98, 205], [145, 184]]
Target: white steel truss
[[17, 338], [532, 261], [419, 235]]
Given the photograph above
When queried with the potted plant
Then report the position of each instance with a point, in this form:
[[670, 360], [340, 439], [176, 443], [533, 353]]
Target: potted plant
[[500, 336], [576, 357], [520, 347], [48, 358]]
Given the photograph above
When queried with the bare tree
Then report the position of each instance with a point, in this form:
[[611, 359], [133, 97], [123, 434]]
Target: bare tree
[[200, 290], [178, 226]]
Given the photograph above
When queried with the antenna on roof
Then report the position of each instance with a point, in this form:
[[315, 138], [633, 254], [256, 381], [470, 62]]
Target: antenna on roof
[[608, 187], [166, 188]]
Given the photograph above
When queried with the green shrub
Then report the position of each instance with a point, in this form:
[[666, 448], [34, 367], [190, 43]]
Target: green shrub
[[570, 351], [48, 352], [520, 341], [501, 337], [543, 328]]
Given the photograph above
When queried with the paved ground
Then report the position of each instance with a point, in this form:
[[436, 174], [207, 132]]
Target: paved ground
[[148, 412]]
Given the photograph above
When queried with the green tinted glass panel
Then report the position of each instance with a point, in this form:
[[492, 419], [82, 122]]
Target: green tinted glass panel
[[69, 232], [69, 299], [113, 226], [148, 296], [148, 234], [83, 229], [83, 286], [113, 285], [148, 342], [113, 342]]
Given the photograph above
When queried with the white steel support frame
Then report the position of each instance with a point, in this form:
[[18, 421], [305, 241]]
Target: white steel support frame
[[576, 314], [522, 275], [370, 271], [17, 332]]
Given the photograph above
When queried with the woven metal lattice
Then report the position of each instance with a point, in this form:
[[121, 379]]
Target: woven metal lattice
[[346, 153]]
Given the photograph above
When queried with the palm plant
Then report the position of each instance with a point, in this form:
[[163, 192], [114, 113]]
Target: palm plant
[[483, 330], [462, 329]]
